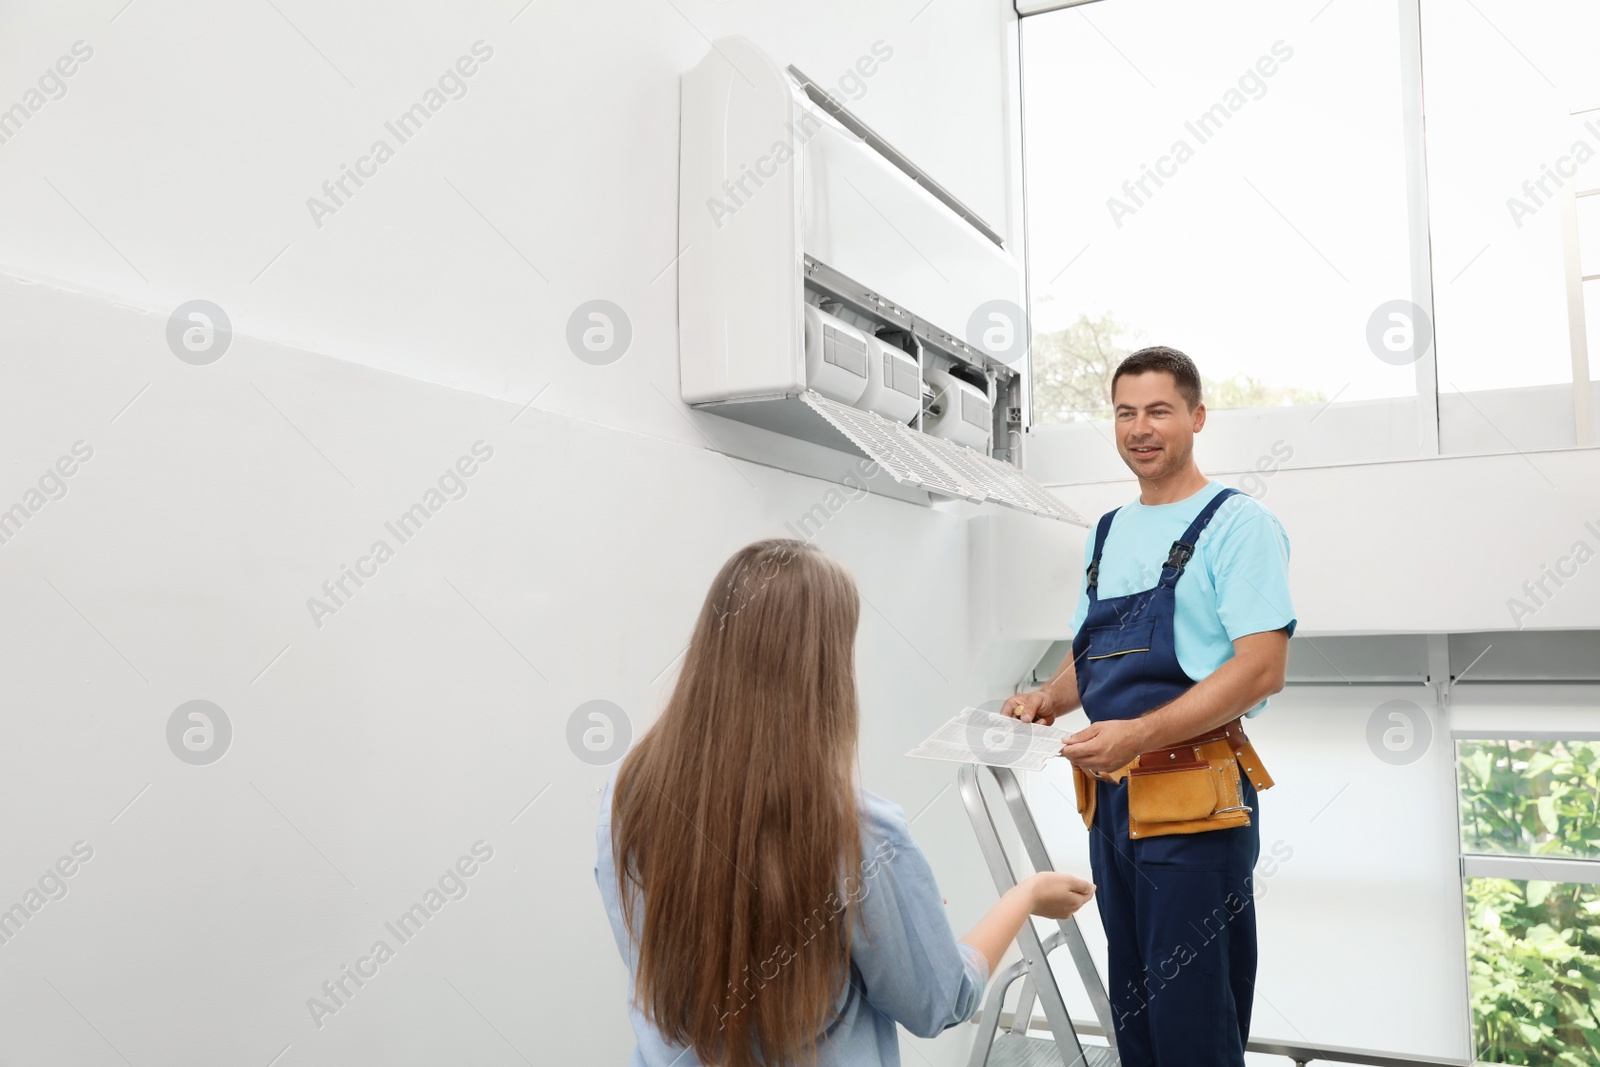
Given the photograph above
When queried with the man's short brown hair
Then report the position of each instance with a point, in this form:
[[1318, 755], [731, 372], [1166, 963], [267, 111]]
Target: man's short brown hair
[[1169, 361]]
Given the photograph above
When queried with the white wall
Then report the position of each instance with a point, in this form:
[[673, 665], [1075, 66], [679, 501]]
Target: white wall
[[1437, 545], [195, 135], [428, 712]]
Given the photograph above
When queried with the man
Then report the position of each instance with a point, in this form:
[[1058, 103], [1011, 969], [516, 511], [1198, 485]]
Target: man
[[1164, 669]]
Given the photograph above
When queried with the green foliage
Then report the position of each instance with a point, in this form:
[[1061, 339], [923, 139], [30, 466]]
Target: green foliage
[[1243, 391], [1072, 370], [1531, 798], [1534, 946]]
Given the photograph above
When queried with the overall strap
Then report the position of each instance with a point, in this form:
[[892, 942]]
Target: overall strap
[[1183, 548], [1099, 545]]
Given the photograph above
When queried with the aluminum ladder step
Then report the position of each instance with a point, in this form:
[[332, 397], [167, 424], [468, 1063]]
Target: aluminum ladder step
[[1015, 1048]]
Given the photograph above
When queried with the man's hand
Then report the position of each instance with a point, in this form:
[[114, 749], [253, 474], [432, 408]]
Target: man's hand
[[1105, 746], [1030, 707]]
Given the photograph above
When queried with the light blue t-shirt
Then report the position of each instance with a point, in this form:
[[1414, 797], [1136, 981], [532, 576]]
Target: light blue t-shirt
[[1237, 582], [906, 965]]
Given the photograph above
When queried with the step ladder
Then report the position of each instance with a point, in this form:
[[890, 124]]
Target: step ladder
[[1014, 1048]]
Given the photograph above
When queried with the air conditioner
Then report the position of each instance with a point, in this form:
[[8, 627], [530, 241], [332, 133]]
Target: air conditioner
[[826, 287]]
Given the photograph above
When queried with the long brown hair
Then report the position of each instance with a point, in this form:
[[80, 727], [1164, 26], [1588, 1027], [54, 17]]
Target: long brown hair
[[734, 818]]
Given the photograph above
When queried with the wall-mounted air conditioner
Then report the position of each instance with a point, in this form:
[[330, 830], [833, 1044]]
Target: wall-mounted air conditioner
[[826, 287]]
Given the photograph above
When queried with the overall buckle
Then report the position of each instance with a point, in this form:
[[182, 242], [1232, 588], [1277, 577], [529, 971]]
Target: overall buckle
[[1180, 555]]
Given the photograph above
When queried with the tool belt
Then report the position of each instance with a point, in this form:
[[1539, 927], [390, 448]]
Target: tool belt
[[1188, 788]]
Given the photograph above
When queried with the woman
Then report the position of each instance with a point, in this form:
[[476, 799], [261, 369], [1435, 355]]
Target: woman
[[770, 912]]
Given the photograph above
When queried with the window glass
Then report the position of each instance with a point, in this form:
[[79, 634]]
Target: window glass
[[1534, 950], [1513, 136], [1212, 177], [1530, 798]]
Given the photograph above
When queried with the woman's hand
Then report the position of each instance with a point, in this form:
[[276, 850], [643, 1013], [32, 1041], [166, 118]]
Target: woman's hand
[[1055, 895], [1049, 894]]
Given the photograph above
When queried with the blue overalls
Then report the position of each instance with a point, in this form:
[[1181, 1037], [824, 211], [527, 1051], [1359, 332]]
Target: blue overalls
[[1178, 910]]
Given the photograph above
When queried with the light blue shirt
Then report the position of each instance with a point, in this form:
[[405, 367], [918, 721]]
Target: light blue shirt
[[906, 965], [1236, 583]]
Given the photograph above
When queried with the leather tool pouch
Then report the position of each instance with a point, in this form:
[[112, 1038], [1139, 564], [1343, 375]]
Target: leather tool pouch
[[1191, 789], [1186, 789], [1084, 786], [1179, 790]]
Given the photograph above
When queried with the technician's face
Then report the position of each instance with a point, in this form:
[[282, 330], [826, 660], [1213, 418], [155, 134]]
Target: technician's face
[[1155, 428]]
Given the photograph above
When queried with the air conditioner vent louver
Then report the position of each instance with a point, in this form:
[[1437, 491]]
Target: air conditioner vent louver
[[1001, 482], [888, 445], [912, 457]]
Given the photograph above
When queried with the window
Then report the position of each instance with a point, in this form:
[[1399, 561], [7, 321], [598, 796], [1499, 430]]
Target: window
[[1211, 177], [1371, 279], [1513, 143], [1530, 838]]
